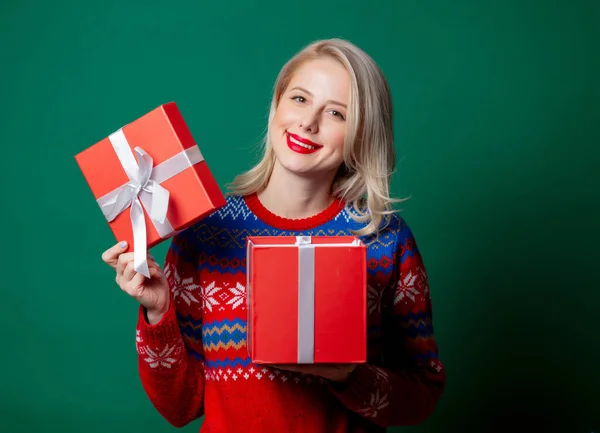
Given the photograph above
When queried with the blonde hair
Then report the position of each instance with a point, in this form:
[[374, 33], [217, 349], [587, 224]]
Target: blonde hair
[[369, 156]]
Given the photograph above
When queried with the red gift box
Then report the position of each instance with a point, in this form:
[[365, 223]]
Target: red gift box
[[150, 180], [307, 299]]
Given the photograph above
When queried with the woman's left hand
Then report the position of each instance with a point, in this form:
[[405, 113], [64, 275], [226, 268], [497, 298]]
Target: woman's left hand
[[334, 372]]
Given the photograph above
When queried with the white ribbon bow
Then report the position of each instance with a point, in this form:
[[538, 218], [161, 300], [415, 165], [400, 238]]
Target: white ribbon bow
[[129, 195]]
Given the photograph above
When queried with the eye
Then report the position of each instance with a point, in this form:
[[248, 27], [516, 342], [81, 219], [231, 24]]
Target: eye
[[338, 114], [300, 99]]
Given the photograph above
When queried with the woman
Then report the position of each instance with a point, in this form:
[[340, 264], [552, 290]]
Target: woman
[[328, 158]]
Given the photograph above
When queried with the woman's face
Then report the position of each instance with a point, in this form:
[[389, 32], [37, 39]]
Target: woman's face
[[308, 130]]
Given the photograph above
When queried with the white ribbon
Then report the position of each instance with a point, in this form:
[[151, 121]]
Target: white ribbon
[[144, 189], [306, 300]]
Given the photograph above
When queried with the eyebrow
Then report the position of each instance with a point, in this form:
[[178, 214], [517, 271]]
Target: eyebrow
[[331, 101]]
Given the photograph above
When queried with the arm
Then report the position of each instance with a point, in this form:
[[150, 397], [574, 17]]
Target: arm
[[169, 367], [405, 388]]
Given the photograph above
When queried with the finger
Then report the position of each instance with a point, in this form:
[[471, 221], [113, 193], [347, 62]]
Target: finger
[[153, 263], [132, 287], [122, 262], [155, 266], [128, 272], [111, 255], [155, 272]]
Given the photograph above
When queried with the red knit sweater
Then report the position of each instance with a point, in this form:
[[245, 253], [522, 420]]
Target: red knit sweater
[[194, 362]]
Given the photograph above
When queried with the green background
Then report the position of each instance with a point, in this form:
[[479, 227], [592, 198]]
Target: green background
[[497, 125]]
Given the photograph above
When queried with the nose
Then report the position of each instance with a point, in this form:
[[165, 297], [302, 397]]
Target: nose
[[310, 123]]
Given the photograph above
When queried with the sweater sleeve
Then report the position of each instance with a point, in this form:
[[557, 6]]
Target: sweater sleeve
[[405, 386], [169, 365]]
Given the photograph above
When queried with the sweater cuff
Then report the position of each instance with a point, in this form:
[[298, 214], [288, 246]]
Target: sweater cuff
[[166, 330]]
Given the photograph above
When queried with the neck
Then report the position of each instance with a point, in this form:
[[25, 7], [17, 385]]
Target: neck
[[291, 196]]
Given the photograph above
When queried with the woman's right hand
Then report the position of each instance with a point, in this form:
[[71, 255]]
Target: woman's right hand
[[152, 293]]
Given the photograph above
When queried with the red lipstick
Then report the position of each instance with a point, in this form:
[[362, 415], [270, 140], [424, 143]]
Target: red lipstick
[[300, 144]]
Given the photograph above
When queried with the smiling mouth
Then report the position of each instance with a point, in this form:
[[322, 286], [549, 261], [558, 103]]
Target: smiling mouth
[[306, 146], [301, 145]]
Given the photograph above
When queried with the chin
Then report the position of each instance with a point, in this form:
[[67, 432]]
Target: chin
[[296, 167], [302, 164]]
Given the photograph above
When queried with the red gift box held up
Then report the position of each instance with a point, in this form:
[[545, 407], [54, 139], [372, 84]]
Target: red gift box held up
[[150, 180], [307, 299]]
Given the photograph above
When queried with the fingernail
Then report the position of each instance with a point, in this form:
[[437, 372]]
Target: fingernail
[[123, 244]]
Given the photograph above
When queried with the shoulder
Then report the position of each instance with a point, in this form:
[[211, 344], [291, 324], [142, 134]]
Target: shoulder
[[225, 222], [234, 209], [394, 230], [393, 224], [400, 227], [405, 242]]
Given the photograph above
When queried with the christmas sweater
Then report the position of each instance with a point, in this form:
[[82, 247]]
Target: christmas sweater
[[194, 362]]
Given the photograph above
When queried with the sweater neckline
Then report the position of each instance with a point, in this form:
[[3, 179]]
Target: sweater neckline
[[282, 223]]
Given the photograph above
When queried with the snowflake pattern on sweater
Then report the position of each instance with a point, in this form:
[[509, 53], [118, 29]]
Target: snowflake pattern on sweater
[[195, 361]]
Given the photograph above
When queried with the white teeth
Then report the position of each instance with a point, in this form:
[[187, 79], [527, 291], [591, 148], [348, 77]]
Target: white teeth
[[306, 146]]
